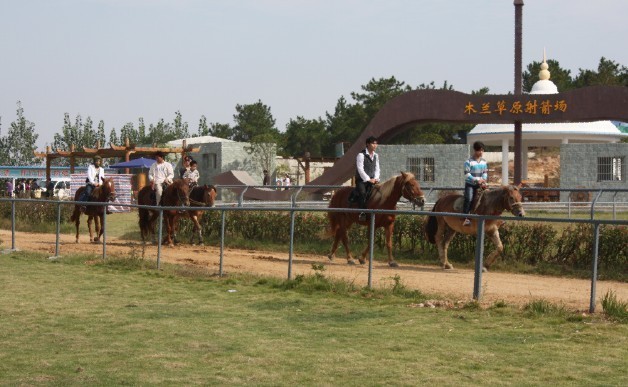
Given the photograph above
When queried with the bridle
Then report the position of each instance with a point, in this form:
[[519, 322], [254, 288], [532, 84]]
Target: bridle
[[407, 193], [513, 205]]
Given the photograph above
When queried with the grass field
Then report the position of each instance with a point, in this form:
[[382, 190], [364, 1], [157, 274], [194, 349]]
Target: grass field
[[80, 321]]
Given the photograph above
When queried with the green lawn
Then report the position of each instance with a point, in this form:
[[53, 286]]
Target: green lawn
[[79, 321]]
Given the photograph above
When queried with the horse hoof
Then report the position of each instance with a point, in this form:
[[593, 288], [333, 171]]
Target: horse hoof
[[362, 261], [485, 269], [393, 264], [448, 266], [330, 257], [350, 262]]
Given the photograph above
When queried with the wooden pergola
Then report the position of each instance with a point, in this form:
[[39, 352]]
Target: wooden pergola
[[113, 151]]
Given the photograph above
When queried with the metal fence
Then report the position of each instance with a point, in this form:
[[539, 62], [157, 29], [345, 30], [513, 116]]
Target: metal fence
[[295, 207]]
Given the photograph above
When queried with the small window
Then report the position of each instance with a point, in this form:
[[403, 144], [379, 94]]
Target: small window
[[422, 168], [610, 169], [428, 169], [209, 161], [205, 161]]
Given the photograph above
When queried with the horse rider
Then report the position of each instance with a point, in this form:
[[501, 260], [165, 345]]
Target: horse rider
[[475, 177], [185, 165], [95, 176], [367, 172], [192, 174], [159, 173]]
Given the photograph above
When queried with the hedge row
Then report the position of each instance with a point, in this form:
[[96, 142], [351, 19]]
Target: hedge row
[[524, 242]]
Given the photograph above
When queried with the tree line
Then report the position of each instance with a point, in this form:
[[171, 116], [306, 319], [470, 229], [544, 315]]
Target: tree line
[[255, 123]]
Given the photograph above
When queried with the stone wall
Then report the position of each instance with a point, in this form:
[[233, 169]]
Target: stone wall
[[579, 168], [448, 162]]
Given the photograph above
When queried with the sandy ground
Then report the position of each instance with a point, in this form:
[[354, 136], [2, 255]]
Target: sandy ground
[[455, 284]]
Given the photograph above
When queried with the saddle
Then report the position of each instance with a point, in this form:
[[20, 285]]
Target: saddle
[[354, 196]]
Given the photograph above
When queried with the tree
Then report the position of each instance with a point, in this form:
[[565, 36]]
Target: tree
[[254, 120], [141, 131], [113, 137], [263, 151], [100, 136], [377, 93], [344, 126], [88, 134], [19, 144], [609, 73], [180, 127], [305, 136], [560, 76], [221, 130], [203, 129]]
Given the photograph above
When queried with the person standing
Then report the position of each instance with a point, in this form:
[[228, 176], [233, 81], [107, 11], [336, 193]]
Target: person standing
[[95, 176], [159, 173], [475, 177], [10, 188], [266, 178], [286, 182], [367, 173]]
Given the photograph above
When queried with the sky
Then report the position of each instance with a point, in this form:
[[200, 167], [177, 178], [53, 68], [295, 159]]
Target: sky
[[119, 60]]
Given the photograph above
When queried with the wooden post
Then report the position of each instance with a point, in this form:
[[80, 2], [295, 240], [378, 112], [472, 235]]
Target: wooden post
[[72, 158]]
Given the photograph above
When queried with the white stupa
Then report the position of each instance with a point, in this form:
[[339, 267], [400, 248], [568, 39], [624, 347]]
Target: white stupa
[[550, 134]]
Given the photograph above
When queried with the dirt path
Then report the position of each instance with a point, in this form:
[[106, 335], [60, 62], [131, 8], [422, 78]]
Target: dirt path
[[455, 284]]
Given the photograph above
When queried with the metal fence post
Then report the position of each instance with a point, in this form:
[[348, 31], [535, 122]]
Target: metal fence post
[[104, 233], [371, 244], [291, 244], [161, 217], [13, 225], [596, 245], [58, 231], [479, 261], [222, 241]]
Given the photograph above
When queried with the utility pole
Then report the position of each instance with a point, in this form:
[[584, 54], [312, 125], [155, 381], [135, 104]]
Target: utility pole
[[518, 87]]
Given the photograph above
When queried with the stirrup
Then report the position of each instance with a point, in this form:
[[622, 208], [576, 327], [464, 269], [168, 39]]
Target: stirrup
[[362, 217]]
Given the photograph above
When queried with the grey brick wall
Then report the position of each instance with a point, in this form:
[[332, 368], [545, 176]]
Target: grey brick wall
[[448, 162], [579, 168]]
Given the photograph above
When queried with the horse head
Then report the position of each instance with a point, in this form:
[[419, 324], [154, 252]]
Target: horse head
[[108, 190], [182, 188], [411, 189], [512, 200], [209, 195]]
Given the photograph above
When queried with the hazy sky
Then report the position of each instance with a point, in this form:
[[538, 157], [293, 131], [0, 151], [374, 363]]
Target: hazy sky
[[118, 60]]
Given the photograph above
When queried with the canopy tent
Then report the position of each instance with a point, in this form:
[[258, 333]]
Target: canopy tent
[[135, 163]]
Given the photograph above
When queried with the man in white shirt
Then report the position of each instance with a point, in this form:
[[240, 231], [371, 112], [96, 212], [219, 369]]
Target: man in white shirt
[[159, 173], [95, 177], [367, 172]]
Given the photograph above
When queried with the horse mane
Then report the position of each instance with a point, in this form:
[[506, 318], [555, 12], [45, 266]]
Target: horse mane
[[102, 191], [492, 201], [386, 188]]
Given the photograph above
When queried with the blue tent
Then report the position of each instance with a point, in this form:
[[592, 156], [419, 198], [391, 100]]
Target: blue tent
[[135, 163]]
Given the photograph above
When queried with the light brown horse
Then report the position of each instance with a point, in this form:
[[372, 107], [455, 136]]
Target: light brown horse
[[441, 229], [175, 195], [200, 196], [383, 197], [106, 192]]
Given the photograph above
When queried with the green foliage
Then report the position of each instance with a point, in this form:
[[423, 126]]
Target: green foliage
[[253, 120], [16, 148], [614, 308], [544, 308]]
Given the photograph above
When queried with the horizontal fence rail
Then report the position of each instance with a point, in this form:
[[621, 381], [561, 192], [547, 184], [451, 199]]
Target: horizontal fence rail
[[223, 209]]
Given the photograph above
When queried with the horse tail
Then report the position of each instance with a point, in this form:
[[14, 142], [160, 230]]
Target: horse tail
[[431, 227], [74, 215]]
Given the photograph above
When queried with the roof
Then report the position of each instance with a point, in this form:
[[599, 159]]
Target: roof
[[197, 140]]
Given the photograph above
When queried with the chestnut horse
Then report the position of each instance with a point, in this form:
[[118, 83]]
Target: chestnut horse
[[441, 229], [200, 196], [106, 192], [383, 197], [175, 195]]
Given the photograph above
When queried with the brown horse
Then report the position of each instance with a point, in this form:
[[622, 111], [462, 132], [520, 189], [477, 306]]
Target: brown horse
[[384, 197], [106, 192], [441, 229], [175, 195], [200, 196]]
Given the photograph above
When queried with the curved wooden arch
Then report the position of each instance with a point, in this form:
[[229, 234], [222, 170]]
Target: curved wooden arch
[[420, 106]]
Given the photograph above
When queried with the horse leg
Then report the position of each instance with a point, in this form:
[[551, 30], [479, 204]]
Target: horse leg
[[77, 222], [345, 242], [444, 235], [197, 230], [100, 227], [89, 227], [499, 248], [389, 234]]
